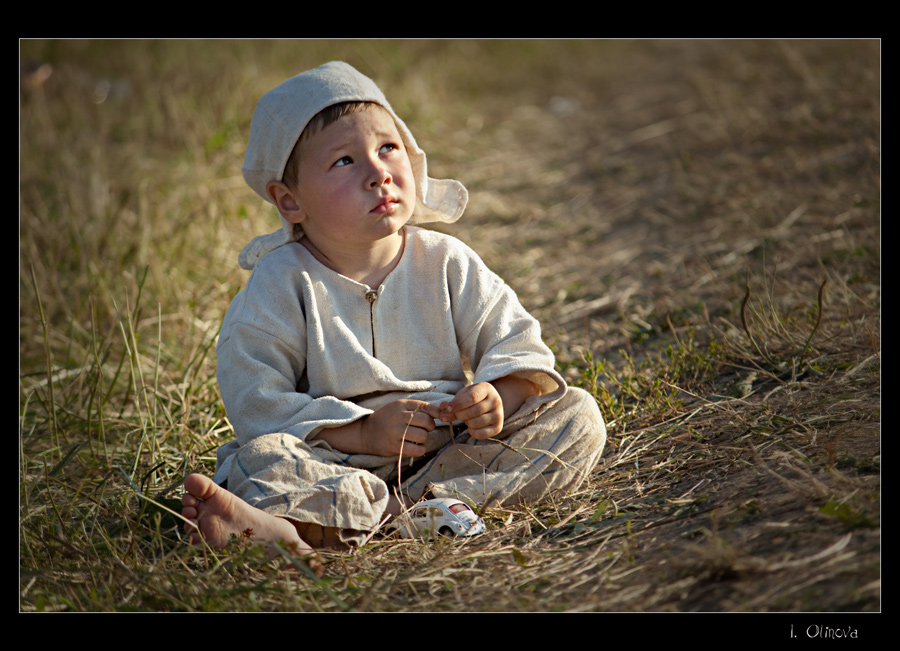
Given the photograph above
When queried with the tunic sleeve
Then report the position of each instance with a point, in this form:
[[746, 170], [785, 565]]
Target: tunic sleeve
[[497, 335], [262, 358]]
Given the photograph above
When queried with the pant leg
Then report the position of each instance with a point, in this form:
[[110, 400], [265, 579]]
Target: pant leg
[[283, 476], [550, 451]]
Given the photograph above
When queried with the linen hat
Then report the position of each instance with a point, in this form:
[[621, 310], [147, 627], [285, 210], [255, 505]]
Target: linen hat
[[279, 119]]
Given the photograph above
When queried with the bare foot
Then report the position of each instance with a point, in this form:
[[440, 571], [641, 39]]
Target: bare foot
[[215, 515]]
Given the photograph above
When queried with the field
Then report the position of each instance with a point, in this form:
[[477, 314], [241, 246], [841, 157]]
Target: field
[[696, 224]]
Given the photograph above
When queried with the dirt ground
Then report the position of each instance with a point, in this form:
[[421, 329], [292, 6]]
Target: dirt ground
[[647, 200]]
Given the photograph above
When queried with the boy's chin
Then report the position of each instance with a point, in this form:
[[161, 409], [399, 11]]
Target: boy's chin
[[395, 223]]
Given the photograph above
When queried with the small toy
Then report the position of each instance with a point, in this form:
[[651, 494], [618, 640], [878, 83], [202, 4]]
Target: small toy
[[444, 515]]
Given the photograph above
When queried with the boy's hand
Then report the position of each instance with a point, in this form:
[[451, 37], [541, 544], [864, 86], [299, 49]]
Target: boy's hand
[[398, 428], [479, 406]]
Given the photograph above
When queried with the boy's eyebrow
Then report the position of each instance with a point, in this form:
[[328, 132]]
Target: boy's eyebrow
[[336, 147], [379, 133]]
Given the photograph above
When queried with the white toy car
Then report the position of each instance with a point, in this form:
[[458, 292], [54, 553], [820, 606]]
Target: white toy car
[[444, 515]]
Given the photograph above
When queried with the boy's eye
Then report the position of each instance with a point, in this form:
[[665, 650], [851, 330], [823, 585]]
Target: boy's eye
[[388, 147], [345, 160]]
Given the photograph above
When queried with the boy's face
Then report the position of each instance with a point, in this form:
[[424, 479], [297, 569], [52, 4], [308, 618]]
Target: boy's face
[[355, 184]]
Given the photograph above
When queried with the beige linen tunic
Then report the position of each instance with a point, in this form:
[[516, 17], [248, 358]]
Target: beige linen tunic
[[304, 348]]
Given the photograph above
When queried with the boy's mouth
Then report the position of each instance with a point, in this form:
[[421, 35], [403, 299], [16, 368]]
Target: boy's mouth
[[386, 205]]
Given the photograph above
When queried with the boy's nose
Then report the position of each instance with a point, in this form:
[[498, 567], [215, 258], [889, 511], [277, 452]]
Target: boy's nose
[[380, 176]]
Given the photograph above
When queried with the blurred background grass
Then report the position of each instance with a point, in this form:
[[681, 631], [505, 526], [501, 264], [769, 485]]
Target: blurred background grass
[[131, 150], [131, 154]]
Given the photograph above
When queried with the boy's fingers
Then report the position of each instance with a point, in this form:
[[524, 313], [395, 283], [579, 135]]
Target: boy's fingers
[[464, 415], [433, 411], [446, 412], [472, 394], [420, 407], [416, 435], [414, 443], [412, 450], [478, 410], [421, 420], [465, 399], [485, 432], [485, 425], [482, 421]]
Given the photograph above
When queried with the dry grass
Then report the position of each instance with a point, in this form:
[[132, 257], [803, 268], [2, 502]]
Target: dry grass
[[668, 210]]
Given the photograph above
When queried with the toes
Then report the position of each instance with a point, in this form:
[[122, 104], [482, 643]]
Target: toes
[[199, 486], [190, 528]]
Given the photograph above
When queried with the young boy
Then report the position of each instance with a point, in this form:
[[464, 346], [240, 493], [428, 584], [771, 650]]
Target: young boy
[[343, 363]]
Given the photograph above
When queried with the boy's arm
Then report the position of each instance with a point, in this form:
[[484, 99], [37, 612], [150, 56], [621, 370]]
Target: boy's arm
[[514, 391], [499, 338], [262, 356], [259, 378]]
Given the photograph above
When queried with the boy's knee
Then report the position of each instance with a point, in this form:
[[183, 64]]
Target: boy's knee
[[266, 449], [590, 404], [581, 404], [586, 416]]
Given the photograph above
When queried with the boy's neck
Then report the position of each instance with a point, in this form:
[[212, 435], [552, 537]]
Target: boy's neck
[[369, 267]]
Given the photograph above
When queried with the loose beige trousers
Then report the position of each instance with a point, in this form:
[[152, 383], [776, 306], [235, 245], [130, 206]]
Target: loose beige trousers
[[335, 499]]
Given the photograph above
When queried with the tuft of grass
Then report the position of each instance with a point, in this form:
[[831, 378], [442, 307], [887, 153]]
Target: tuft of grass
[[630, 390]]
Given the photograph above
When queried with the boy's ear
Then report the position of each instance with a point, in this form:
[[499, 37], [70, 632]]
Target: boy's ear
[[286, 202]]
